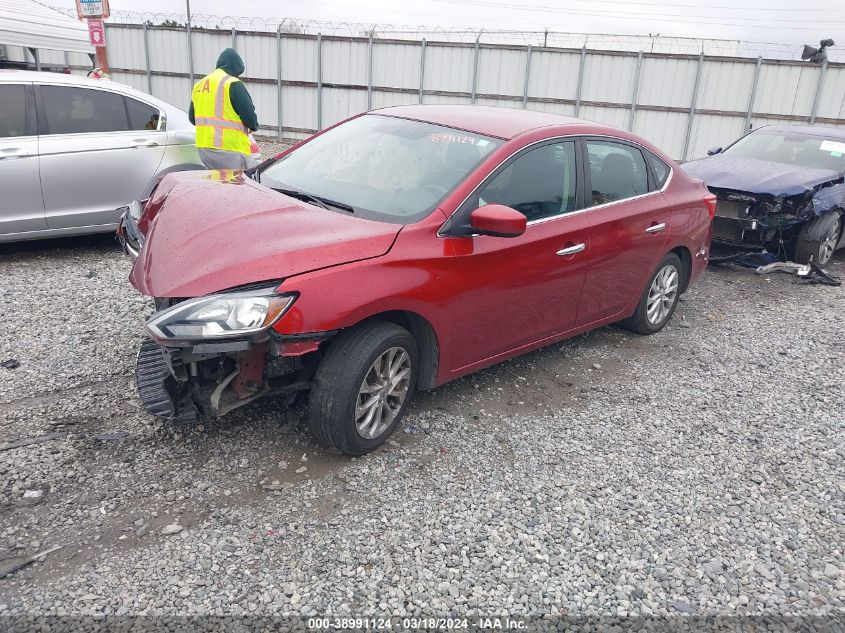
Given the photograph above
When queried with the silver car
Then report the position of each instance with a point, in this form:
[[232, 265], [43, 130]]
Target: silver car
[[74, 150]]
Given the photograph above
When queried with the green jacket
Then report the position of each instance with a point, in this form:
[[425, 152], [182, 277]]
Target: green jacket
[[232, 63]]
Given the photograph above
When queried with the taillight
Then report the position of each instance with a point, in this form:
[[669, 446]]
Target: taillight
[[710, 201]]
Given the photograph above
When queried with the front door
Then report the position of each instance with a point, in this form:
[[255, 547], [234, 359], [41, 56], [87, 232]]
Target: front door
[[21, 205], [511, 292], [630, 221], [99, 151]]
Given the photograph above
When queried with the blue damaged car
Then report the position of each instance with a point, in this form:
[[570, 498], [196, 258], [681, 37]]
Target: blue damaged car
[[780, 188]]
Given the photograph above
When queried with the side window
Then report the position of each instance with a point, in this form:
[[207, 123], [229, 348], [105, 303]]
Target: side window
[[617, 171], [12, 110], [539, 184], [141, 115], [658, 168], [69, 110]]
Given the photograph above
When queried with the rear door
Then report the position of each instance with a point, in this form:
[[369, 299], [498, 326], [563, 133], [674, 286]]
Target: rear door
[[511, 292], [21, 205], [99, 150], [629, 217]]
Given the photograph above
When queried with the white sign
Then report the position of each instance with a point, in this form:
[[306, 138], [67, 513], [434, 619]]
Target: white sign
[[91, 8], [832, 146]]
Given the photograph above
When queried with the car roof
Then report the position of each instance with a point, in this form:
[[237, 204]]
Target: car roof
[[43, 77], [10, 74], [809, 130], [497, 121]]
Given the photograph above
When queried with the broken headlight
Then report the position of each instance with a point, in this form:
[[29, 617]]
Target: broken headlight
[[135, 210], [226, 315]]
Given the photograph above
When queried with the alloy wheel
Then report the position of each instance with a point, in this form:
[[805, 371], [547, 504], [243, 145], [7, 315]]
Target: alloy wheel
[[662, 294], [828, 244], [383, 392]]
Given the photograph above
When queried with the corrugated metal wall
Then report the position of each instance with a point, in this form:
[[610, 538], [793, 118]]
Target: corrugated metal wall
[[682, 103]]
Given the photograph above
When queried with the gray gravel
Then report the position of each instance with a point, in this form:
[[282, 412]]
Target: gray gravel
[[699, 471], [270, 145]]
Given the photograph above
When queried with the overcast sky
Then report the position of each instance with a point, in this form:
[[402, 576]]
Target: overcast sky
[[762, 20]]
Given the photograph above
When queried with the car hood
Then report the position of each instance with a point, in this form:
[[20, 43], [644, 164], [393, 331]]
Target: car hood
[[211, 231], [758, 176]]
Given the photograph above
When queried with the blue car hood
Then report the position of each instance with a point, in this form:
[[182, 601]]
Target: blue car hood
[[758, 176]]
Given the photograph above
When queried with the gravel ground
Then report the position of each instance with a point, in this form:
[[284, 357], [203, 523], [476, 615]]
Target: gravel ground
[[270, 146], [698, 471]]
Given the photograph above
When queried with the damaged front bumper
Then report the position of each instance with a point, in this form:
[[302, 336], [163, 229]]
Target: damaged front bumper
[[177, 384], [130, 237], [747, 223]]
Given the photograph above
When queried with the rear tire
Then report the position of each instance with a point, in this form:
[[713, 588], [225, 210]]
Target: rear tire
[[660, 297], [821, 250], [362, 387]]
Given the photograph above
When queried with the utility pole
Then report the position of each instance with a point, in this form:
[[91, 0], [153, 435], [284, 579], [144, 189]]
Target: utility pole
[[94, 12], [190, 43]]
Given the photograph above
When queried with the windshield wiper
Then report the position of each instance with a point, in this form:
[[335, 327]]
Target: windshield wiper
[[318, 200]]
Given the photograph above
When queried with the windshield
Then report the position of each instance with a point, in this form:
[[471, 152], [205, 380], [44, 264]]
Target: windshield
[[791, 149], [381, 167]]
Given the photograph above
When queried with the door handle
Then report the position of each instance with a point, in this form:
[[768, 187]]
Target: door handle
[[144, 144], [571, 250], [14, 152], [656, 228]]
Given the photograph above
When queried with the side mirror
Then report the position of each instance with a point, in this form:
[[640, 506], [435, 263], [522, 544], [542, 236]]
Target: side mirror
[[498, 220], [714, 150]]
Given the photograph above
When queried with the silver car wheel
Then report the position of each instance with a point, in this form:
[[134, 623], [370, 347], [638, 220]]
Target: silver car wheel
[[383, 392], [662, 294], [828, 244]]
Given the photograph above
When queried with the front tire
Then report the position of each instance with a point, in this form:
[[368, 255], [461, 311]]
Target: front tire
[[818, 250], [660, 298], [362, 387]]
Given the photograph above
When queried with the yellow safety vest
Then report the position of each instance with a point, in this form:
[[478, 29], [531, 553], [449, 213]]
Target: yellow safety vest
[[218, 125]]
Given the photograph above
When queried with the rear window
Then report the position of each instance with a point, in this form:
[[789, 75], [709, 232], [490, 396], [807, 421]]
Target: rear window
[[12, 110], [658, 168], [141, 115], [70, 110]]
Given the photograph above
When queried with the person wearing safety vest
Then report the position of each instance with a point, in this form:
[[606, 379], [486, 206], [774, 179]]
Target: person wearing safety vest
[[223, 113]]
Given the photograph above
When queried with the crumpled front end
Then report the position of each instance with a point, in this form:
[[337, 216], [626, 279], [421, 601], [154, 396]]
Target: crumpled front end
[[763, 204], [128, 233], [212, 250], [178, 380], [756, 222]]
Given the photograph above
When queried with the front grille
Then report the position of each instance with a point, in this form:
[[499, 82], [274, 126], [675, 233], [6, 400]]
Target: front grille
[[731, 209], [727, 230], [282, 366], [159, 391]]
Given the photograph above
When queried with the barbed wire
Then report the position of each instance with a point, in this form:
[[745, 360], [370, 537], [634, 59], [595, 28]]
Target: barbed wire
[[654, 43]]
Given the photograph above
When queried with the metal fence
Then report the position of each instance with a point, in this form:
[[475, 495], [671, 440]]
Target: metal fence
[[302, 82], [651, 43]]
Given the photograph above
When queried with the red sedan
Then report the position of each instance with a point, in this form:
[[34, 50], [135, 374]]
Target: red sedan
[[399, 250]]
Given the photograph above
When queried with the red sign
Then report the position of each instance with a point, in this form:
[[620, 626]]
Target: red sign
[[96, 32]]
